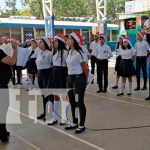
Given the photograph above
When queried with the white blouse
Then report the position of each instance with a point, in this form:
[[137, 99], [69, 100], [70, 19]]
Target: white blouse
[[57, 59], [36, 52], [74, 61], [127, 53], [44, 60]]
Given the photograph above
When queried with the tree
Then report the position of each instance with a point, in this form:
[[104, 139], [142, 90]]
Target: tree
[[10, 9], [35, 8], [67, 8], [75, 8]]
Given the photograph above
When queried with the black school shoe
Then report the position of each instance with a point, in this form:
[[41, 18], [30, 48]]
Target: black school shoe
[[144, 88], [42, 116], [99, 91], [105, 91], [71, 126], [53, 123], [137, 89], [148, 98], [80, 129], [115, 87], [120, 94], [129, 94], [5, 137]]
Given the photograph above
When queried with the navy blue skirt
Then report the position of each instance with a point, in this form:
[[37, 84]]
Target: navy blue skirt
[[31, 66], [126, 68], [58, 77]]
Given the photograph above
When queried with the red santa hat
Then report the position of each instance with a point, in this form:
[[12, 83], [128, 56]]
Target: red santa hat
[[61, 37], [142, 34], [122, 36], [47, 41], [77, 37], [96, 34], [33, 40], [27, 40], [127, 39]]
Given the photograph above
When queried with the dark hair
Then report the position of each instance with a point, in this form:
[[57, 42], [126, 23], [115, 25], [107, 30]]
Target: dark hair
[[77, 47], [61, 48], [46, 46], [118, 44], [128, 47], [26, 46], [66, 36]]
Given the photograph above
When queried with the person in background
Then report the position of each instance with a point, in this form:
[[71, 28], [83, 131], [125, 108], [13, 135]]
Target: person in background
[[20, 68], [8, 50], [126, 67], [76, 81], [142, 52], [147, 29], [44, 66], [118, 59], [102, 54], [92, 49], [5, 75], [31, 65], [27, 43]]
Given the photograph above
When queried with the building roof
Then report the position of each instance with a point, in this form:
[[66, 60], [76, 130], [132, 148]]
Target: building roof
[[28, 23]]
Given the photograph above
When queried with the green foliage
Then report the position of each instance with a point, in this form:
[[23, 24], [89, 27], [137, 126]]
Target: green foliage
[[10, 9], [65, 8]]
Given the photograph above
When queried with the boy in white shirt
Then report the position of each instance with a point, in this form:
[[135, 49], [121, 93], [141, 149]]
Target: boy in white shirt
[[142, 50], [102, 54], [92, 48]]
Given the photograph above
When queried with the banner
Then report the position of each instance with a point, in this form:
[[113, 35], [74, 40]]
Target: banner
[[137, 6]]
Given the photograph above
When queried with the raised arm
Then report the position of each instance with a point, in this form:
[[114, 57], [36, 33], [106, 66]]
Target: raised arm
[[11, 60]]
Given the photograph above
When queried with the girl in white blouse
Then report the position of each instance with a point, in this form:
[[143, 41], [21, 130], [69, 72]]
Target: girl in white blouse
[[44, 66], [31, 65], [77, 81], [58, 78], [126, 67], [118, 59]]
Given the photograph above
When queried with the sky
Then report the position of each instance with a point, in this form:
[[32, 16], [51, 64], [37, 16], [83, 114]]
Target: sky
[[18, 5]]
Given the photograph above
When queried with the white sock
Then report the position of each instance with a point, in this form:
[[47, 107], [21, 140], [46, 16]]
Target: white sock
[[56, 109], [36, 82], [49, 111], [117, 80], [30, 84], [64, 110], [122, 88], [130, 87]]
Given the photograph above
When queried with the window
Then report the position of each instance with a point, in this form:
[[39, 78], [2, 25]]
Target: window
[[130, 23]]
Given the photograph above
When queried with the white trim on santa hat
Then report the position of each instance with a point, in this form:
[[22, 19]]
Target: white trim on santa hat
[[141, 35], [122, 36], [75, 37], [126, 40], [47, 41], [59, 38]]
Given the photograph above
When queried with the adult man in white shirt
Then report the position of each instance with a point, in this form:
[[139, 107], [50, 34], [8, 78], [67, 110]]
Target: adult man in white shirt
[[142, 50], [92, 48], [102, 54], [147, 29]]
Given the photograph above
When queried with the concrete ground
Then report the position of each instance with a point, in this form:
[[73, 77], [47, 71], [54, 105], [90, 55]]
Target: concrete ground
[[118, 123]]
